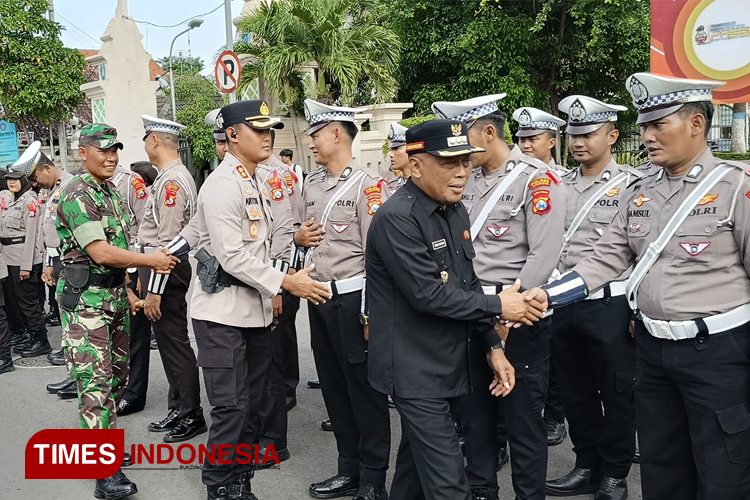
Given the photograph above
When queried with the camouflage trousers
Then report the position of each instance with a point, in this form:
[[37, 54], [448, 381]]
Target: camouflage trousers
[[96, 343]]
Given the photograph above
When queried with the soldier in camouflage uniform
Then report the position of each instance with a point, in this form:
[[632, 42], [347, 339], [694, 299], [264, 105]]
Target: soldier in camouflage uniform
[[93, 231]]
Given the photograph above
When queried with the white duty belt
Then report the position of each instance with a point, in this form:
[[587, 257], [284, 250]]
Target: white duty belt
[[616, 289], [682, 330], [348, 285], [495, 289]]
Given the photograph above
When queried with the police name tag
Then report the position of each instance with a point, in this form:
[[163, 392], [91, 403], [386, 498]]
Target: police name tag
[[437, 245]]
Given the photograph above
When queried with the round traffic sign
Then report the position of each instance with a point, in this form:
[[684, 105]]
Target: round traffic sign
[[228, 71]]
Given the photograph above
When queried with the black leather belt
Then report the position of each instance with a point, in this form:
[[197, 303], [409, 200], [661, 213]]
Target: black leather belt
[[106, 280], [227, 279], [13, 241]]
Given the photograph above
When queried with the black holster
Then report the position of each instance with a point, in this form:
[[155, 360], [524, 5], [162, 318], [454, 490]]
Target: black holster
[[76, 281]]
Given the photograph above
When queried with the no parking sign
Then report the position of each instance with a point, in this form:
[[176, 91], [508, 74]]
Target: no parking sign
[[228, 72]]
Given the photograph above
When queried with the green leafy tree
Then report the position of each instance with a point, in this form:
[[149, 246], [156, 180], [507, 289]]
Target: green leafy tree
[[537, 51], [38, 76], [182, 65], [353, 55], [195, 97]]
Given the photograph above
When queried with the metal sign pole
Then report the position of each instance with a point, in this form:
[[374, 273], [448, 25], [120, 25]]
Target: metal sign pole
[[230, 39]]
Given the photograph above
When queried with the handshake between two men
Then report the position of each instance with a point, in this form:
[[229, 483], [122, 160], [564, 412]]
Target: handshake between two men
[[519, 309]]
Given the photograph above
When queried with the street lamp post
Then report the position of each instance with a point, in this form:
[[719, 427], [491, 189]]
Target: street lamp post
[[194, 23]]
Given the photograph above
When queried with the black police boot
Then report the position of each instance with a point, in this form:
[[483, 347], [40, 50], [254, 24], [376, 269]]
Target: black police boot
[[502, 458], [167, 423], [53, 318], [57, 358], [371, 493], [220, 492], [556, 432], [55, 388], [281, 453], [188, 428], [334, 487], [39, 347], [70, 392], [326, 425], [20, 339], [114, 487], [241, 489], [6, 363], [612, 489], [576, 482]]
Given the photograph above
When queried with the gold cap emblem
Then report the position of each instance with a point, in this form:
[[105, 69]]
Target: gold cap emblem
[[456, 129], [264, 109]]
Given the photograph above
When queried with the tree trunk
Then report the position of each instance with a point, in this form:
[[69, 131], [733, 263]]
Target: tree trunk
[[739, 134]]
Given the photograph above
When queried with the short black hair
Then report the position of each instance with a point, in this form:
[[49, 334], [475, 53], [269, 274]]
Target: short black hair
[[350, 128], [287, 152], [44, 160], [704, 108], [496, 118], [169, 140], [613, 126]]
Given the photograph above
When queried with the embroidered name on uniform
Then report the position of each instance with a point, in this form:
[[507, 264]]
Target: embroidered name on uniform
[[641, 200], [498, 231], [339, 228], [139, 187], [709, 198], [171, 189], [639, 213], [537, 183], [437, 245], [541, 202], [252, 200], [695, 248], [373, 199]]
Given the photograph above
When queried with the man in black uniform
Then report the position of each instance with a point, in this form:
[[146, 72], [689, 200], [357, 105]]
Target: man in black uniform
[[428, 310]]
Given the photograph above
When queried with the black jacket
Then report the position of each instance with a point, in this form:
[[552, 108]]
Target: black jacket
[[419, 326]]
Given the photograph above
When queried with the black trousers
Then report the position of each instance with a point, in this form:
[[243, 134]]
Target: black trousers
[[4, 327], [289, 346], [140, 352], [171, 332], [594, 357], [553, 405], [358, 413], [478, 412], [21, 299], [273, 429], [54, 308], [692, 402], [429, 465], [528, 350], [235, 364]]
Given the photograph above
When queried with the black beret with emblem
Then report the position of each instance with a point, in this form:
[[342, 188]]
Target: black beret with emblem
[[254, 113], [444, 138]]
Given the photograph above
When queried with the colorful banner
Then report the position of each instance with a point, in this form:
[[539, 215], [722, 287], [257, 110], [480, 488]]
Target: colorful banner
[[704, 40], [8, 144]]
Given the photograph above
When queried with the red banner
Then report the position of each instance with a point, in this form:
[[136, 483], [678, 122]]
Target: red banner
[[704, 40], [74, 453]]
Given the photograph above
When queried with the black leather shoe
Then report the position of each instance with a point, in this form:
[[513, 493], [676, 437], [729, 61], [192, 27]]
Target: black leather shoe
[[612, 489], [52, 319], [371, 493], [125, 407], [334, 487], [38, 348], [20, 340], [556, 432], [70, 392], [57, 358], [167, 423], [152, 343], [188, 428], [576, 482], [114, 487], [313, 384], [126, 461], [282, 454], [291, 402], [326, 425], [502, 458], [54, 388], [6, 361]]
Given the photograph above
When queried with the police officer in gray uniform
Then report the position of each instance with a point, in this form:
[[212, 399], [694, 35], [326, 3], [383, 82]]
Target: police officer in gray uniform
[[231, 302], [687, 229], [516, 207], [592, 351]]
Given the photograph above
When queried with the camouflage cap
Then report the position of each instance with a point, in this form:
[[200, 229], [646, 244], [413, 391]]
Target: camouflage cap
[[99, 135]]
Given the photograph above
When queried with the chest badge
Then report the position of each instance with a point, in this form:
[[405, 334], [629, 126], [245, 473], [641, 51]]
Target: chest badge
[[638, 202], [339, 228], [695, 249], [248, 191], [635, 227], [498, 231], [709, 198], [253, 230], [444, 276], [612, 192], [466, 235]]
